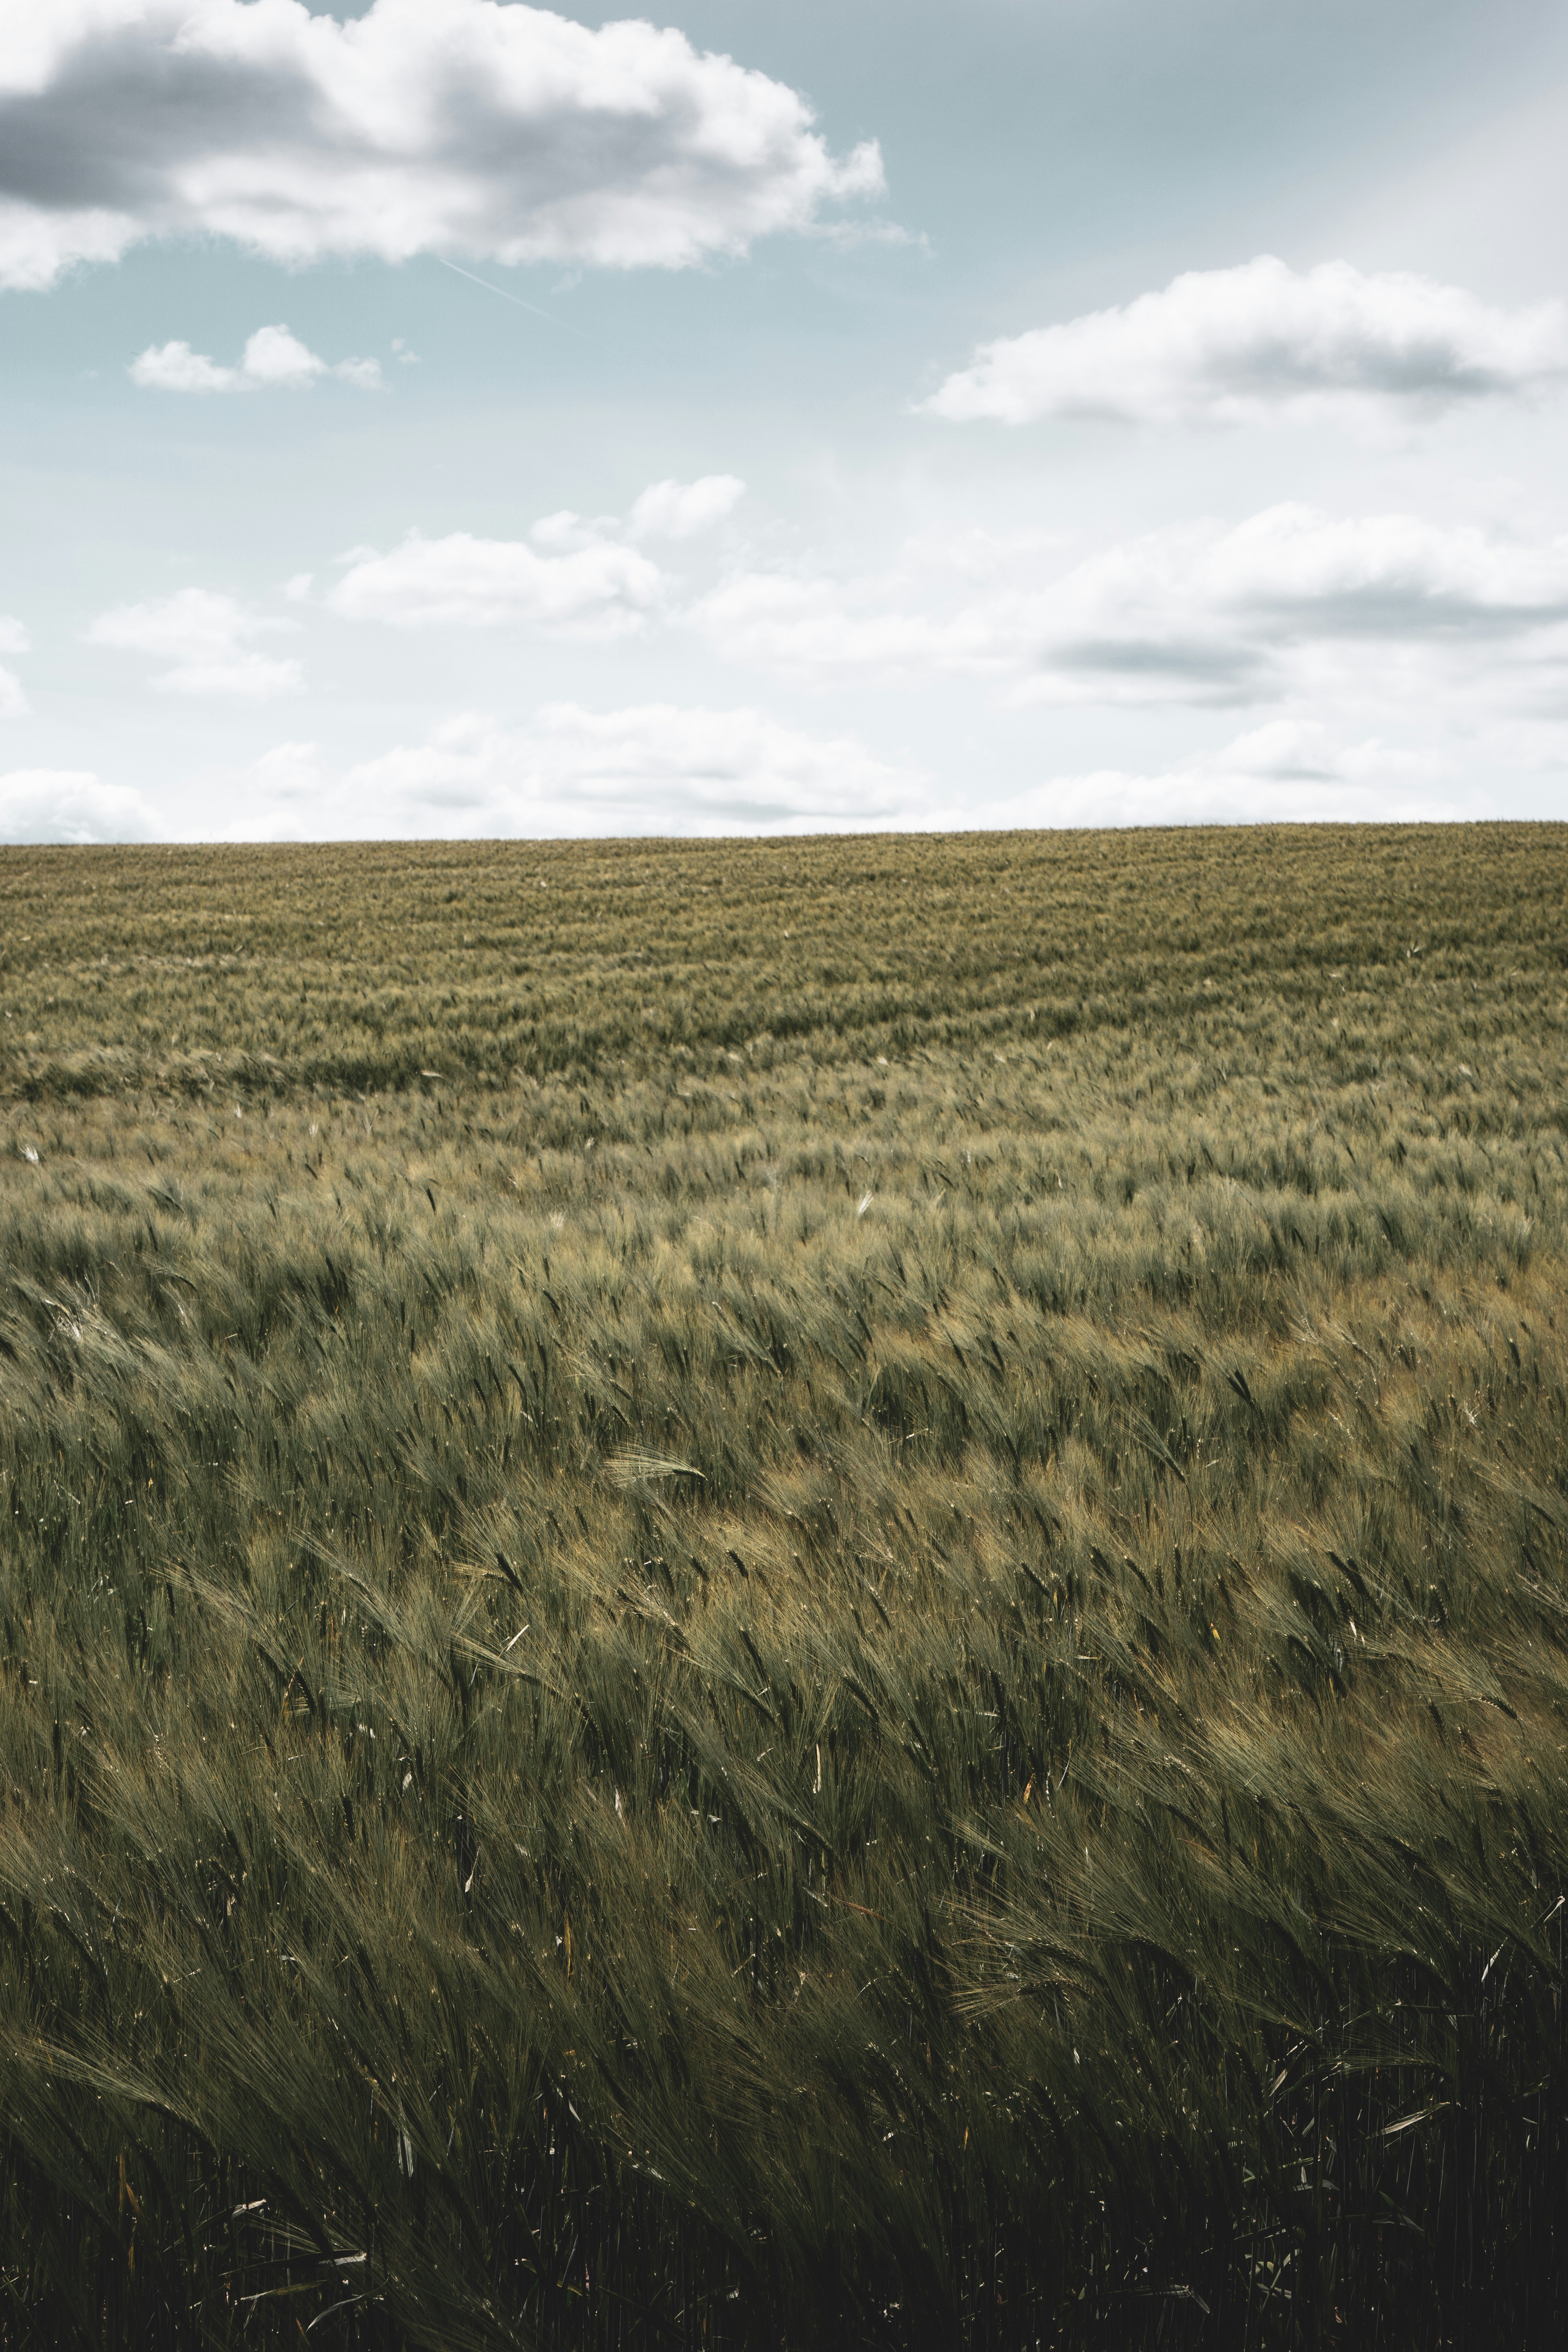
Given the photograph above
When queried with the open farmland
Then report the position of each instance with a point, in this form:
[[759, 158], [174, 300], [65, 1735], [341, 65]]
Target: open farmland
[[785, 1595]]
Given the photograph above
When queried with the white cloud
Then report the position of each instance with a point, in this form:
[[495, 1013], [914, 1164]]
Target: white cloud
[[175, 367], [1205, 613], [818, 629], [422, 126], [14, 637], [1196, 795], [289, 777], [598, 591], [663, 769], [565, 532], [273, 356], [578, 578], [1222, 346], [659, 768], [274, 361], [364, 374], [206, 639], [1198, 612], [682, 509], [52, 805], [1290, 772], [655, 767], [37, 244], [726, 769]]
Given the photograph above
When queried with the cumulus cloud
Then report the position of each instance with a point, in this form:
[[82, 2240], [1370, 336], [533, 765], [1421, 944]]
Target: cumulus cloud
[[1223, 346], [653, 768], [1205, 613], [175, 367], [668, 509], [684, 510], [574, 576], [56, 804], [598, 589], [423, 126], [274, 361], [1198, 612], [206, 639]]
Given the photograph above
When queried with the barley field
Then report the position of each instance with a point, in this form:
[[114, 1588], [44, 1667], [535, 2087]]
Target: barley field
[[791, 1595]]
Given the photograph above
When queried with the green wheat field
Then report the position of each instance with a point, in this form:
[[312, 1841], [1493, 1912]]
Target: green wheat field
[[791, 1595]]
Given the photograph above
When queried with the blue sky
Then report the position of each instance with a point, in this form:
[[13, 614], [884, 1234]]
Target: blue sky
[[1045, 412]]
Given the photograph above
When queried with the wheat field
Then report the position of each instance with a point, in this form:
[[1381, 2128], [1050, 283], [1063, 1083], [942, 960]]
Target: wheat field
[[785, 1595]]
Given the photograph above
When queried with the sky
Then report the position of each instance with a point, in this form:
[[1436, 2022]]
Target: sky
[[454, 417]]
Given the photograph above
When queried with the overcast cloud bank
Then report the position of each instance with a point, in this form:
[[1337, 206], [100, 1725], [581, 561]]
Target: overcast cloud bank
[[1232, 346], [425, 126]]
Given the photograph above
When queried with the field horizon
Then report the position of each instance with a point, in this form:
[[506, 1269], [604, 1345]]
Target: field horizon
[[782, 1594]]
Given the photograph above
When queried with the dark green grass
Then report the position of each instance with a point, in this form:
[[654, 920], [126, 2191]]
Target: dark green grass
[[860, 1639]]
